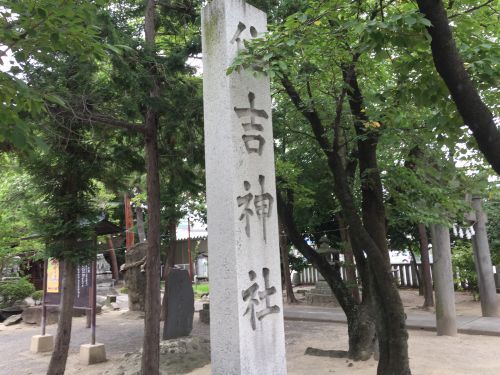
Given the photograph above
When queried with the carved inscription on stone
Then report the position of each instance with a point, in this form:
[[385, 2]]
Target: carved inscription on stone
[[262, 202], [254, 142], [253, 297], [239, 30]]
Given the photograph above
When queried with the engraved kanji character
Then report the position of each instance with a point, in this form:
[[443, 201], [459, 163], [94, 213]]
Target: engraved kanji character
[[253, 114], [239, 29], [247, 212], [249, 295], [250, 143], [268, 291], [263, 205]]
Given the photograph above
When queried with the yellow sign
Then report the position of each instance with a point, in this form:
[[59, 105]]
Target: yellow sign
[[53, 276]]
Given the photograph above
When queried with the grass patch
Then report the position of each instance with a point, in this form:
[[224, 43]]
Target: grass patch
[[200, 289]]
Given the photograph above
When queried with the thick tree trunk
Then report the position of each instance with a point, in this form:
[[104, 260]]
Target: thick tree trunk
[[290, 296], [391, 326], [392, 334], [476, 115], [360, 322], [426, 266], [139, 215], [151, 344], [59, 356]]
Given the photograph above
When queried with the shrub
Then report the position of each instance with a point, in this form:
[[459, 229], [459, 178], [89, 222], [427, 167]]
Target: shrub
[[12, 291], [37, 296]]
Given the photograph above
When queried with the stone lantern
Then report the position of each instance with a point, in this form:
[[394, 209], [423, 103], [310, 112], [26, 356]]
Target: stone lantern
[[321, 294]]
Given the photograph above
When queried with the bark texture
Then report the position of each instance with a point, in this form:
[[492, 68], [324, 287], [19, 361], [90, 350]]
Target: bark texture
[[151, 345], [59, 356], [426, 266], [360, 322], [290, 296], [450, 66]]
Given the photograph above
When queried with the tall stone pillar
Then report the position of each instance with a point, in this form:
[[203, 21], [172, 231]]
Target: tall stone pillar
[[442, 274], [484, 267], [246, 312]]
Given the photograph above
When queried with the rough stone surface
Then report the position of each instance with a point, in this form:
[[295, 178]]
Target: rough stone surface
[[135, 280], [177, 356], [104, 277], [42, 343], [180, 304], [321, 295], [246, 322], [13, 319], [90, 354], [33, 315]]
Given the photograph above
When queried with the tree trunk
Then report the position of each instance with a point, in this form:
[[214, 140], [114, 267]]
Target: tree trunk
[[290, 296], [151, 344], [372, 200], [350, 267], [139, 215], [476, 115], [370, 234], [169, 264], [391, 326], [426, 266], [360, 323], [59, 356]]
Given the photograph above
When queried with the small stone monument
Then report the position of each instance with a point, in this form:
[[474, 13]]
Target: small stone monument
[[322, 294], [180, 307], [104, 277], [246, 310]]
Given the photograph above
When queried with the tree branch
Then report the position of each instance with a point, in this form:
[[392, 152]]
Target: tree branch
[[101, 119], [310, 114], [471, 9]]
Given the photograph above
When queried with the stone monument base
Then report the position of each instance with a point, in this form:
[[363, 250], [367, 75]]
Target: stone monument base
[[321, 295], [90, 354], [42, 343], [205, 314]]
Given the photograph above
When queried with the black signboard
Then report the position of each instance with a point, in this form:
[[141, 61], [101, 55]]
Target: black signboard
[[83, 284]]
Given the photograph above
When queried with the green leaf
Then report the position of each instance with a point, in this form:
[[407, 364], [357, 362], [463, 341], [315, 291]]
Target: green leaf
[[55, 99]]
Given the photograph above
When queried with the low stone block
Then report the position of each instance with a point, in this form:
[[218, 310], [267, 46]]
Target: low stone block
[[110, 298], [42, 343], [33, 315], [90, 354]]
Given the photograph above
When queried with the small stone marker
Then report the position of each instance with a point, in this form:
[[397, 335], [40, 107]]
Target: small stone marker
[[246, 312], [180, 308]]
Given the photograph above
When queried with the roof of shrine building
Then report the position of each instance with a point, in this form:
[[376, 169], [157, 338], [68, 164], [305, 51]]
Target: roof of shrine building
[[198, 231]]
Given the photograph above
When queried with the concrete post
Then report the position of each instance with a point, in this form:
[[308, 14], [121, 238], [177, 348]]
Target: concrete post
[[246, 311], [484, 267], [446, 320]]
